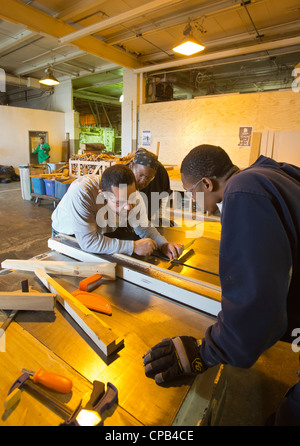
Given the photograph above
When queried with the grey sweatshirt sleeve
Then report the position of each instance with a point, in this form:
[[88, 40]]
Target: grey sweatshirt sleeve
[[77, 214], [98, 243], [86, 231]]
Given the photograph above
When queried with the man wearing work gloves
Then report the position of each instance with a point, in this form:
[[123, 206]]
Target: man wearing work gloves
[[259, 268]]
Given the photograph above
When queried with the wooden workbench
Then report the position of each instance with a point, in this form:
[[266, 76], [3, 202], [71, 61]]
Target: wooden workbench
[[55, 342], [142, 317]]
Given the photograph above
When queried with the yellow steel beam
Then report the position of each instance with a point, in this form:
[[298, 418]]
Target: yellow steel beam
[[38, 21]]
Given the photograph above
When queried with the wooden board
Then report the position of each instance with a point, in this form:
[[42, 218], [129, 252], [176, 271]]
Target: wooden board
[[255, 147], [97, 330], [27, 301], [80, 269]]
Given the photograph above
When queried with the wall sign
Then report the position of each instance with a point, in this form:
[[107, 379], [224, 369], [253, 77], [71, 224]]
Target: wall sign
[[245, 134], [146, 138]]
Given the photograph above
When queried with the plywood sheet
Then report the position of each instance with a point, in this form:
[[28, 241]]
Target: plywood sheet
[[287, 147], [181, 125]]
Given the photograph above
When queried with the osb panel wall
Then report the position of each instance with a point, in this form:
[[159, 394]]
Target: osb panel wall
[[181, 125]]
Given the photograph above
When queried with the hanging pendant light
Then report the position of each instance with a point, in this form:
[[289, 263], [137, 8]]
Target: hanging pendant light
[[190, 45], [49, 79]]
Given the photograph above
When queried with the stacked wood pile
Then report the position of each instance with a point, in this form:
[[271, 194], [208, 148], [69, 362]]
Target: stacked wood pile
[[90, 156], [79, 163]]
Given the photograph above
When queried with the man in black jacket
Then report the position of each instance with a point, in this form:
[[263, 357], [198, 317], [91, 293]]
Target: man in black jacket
[[259, 266]]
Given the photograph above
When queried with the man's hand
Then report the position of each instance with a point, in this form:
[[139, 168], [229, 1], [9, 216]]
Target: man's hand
[[172, 358], [172, 250], [144, 247]]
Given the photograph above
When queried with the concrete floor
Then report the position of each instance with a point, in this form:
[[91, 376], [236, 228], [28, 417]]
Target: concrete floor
[[25, 227], [251, 395]]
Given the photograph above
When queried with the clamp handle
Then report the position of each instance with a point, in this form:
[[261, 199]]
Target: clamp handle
[[106, 402]]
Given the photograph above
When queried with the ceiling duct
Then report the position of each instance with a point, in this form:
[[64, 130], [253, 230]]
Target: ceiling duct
[[21, 83]]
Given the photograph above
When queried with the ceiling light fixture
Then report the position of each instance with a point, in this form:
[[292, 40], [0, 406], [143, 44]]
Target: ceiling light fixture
[[49, 79], [190, 45]]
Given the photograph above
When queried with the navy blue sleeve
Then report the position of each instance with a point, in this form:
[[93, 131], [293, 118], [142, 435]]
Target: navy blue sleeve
[[255, 267]]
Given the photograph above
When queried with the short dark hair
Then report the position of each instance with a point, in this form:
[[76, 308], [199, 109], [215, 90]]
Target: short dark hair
[[116, 175], [206, 160]]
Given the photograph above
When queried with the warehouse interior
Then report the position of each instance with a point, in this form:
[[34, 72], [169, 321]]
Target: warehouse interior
[[120, 86]]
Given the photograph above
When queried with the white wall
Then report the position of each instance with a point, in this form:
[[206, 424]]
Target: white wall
[[62, 98], [72, 128], [59, 98], [15, 123]]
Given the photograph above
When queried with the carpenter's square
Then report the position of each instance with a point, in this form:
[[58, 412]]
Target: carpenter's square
[[159, 255], [184, 256]]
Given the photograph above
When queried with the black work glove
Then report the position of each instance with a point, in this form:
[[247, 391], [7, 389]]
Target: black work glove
[[172, 358]]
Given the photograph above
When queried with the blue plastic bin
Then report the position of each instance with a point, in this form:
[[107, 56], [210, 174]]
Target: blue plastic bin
[[50, 187], [60, 189], [38, 186]]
